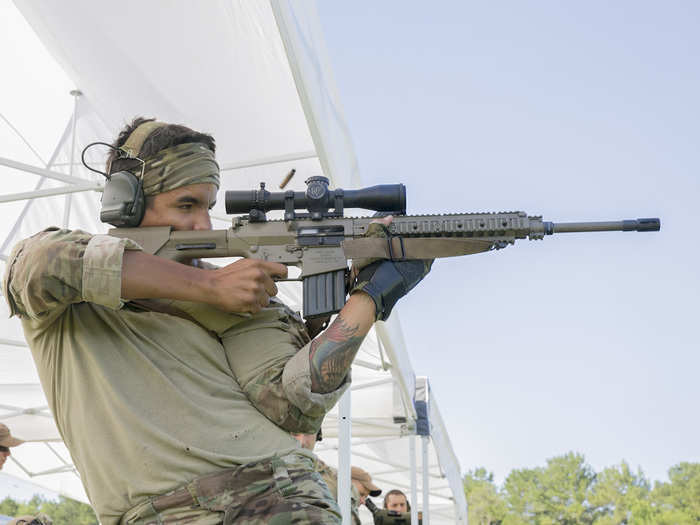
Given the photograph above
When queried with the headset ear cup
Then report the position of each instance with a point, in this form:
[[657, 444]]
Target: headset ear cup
[[138, 209], [123, 203]]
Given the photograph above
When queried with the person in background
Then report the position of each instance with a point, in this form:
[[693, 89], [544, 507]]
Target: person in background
[[397, 501], [6, 441], [362, 481], [39, 519]]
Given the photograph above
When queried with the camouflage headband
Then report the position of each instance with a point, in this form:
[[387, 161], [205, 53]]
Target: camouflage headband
[[177, 166]]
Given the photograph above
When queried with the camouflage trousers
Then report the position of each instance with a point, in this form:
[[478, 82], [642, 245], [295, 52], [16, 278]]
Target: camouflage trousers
[[276, 491]]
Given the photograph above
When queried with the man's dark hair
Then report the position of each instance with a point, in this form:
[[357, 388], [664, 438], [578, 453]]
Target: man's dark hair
[[160, 139], [396, 492]]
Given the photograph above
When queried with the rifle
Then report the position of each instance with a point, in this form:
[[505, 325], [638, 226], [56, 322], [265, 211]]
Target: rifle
[[321, 240], [390, 517]]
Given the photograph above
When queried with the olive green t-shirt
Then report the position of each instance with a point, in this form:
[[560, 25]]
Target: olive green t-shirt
[[144, 401]]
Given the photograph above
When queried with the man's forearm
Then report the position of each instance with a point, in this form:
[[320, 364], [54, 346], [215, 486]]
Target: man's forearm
[[147, 276], [332, 352], [243, 286]]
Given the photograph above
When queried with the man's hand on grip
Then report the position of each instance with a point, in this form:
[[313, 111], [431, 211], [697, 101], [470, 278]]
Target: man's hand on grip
[[245, 285]]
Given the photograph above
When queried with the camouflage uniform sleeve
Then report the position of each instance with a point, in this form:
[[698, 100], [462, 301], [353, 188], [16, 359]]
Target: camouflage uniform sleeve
[[56, 268], [276, 376], [268, 353], [296, 381]]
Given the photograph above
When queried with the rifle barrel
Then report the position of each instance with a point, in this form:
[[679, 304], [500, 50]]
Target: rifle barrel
[[638, 225]]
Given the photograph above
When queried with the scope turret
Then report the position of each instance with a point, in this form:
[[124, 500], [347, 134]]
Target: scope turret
[[317, 200]]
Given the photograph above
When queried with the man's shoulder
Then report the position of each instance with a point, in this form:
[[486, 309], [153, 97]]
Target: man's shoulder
[[54, 234], [43, 271], [49, 246], [53, 231]]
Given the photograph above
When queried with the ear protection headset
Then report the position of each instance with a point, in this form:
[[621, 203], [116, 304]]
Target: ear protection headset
[[123, 202]]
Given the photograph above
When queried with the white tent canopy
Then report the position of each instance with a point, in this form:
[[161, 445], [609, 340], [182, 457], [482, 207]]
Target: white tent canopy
[[255, 75]]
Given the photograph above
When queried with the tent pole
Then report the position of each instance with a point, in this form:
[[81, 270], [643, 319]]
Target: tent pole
[[414, 479], [13, 342], [392, 463], [367, 364], [69, 198], [376, 382], [358, 442], [407, 487], [368, 422], [426, 481], [23, 139], [269, 160], [50, 192], [344, 436], [43, 172], [38, 186]]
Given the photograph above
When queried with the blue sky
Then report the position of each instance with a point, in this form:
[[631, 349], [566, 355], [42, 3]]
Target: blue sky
[[575, 111]]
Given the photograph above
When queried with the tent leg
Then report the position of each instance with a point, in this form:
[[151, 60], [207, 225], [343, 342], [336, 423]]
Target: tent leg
[[414, 479], [66, 209], [426, 481], [344, 435], [69, 197]]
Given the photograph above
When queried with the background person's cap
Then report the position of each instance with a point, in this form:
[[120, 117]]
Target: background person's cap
[[365, 479], [6, 439]]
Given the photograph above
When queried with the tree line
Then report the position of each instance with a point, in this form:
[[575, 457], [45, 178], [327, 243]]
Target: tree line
[[65, 511], [567, 491]]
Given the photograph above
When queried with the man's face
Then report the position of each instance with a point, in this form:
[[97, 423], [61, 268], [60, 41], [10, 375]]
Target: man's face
[[186, 208], [396, 502], [4, 454]]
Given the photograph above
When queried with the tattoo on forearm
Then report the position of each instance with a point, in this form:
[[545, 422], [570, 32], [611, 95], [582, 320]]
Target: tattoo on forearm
[[331, 355]]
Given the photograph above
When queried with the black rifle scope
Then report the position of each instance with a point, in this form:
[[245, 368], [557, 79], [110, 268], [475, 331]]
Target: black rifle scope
[[317, 199]]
